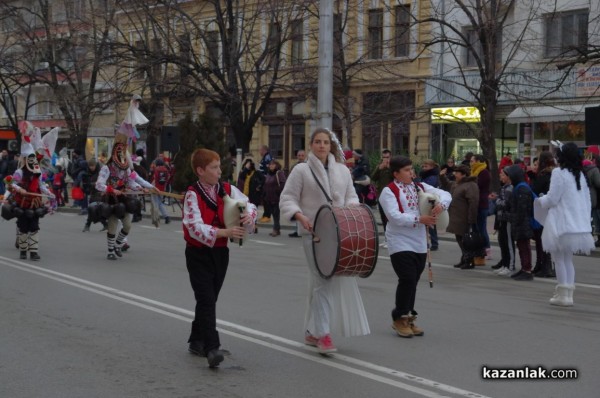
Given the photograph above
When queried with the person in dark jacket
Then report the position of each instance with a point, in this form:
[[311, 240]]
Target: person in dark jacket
[[506, 265], [463, 208], [521, 211], [540, 184], [274, 182], [251, 181], [480, 170]]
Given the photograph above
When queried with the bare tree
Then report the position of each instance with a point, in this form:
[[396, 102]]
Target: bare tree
[[64, 48], [226, 53]]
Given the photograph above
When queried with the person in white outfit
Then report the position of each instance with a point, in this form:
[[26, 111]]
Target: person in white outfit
[[565, 213], [334, 302]]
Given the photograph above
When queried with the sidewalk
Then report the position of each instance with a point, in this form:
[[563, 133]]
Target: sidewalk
[[175, 211]]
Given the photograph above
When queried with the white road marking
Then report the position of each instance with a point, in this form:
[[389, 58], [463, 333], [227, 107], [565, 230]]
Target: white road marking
[[390, 378], [263, 242]]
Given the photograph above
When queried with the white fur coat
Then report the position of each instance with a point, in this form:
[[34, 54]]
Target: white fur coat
[[302, 193], [565, 213]]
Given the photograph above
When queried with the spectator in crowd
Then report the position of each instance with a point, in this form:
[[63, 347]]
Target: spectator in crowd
[[540, 184], [505, 161], [250, 182], [521, 212], [300, 158], [467, 159], [274, 183], [449, 165], [80, 174], [142, 162], [506, 265], [430, 174], [3, 169], [266, 158], [592, 173], [360, 174], [58, 185], [382, 176], [160, 179], [480, 170], [463, 208]]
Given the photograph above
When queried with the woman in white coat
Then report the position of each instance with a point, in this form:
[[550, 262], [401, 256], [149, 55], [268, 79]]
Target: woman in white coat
[[565, 213], [336, 302]]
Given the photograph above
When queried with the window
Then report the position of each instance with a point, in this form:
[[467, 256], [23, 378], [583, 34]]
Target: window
[[274, 41], [337, 39], [156, 52], [276, 141], [476, 49], [402, 31], [297, 42], [185, 54], [140, 70], [566, 33], [387, 112], [212, 48], [375, 34], [75, 8], [9, 105]]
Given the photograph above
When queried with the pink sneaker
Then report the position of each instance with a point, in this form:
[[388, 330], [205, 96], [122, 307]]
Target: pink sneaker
[[309, 339], [325, 345]]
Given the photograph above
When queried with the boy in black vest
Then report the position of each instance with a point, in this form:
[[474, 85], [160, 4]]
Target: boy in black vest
[[206, 252]]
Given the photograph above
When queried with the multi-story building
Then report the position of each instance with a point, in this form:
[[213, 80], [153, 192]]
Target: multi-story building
[[539, 100]]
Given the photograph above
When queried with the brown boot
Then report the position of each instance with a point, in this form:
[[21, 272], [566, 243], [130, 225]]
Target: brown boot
[[417, 331], [402, 327]]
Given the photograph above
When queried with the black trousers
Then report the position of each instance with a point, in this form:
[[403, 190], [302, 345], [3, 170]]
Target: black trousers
[[408, 267], [207, 268], [28, 224]]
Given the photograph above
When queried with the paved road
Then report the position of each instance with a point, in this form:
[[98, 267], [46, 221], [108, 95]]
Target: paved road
[[75, 324]]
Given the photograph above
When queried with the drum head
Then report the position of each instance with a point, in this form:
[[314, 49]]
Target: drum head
[[326, 251]]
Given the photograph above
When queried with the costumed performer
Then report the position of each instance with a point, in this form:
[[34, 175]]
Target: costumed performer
[[335, 304], [28, 194], [115, 179], [565, 213]]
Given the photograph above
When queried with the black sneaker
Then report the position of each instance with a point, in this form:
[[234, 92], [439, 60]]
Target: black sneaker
[[111, 256], [34, 256], [294, 235], [118, 252], [433, 248], [516, 274], [23, 255], [167, 220], [524, 276], [469, 265], [498, 266]]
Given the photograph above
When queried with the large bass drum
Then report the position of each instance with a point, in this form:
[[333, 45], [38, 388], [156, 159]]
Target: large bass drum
[[349, 241]]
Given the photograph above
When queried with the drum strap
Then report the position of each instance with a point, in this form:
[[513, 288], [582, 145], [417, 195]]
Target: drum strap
[[321, 186]]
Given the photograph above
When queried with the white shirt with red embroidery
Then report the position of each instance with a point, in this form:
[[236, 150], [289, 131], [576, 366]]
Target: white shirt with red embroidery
[[403, 230], [206, 233]]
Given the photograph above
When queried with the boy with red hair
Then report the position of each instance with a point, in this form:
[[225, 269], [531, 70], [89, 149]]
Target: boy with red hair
[[206, 252]]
